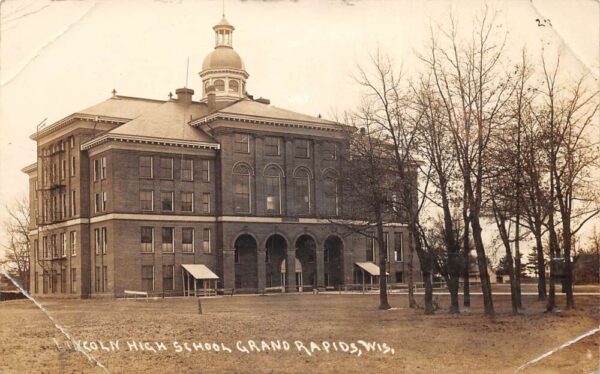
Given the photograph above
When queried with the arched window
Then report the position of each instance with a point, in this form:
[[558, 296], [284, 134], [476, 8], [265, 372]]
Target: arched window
[[234, 86], [273, 189], [241, 188], [219, 85], [206, 85], [302, 193], [331, 194]]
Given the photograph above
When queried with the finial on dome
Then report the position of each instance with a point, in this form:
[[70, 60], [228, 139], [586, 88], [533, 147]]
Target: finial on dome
[[114, 92]]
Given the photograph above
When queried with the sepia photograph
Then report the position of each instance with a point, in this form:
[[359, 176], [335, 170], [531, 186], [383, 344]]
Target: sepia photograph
[[300, 186]]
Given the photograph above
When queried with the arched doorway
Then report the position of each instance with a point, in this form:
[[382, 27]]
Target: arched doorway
[[245, 258], [305, 256], [333, 262], [275, 252]]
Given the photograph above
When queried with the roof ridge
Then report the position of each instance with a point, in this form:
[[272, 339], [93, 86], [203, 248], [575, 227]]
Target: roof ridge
[[138, 98]]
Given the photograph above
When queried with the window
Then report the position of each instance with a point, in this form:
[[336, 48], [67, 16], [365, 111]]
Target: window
[[330, 194], [146, 167], [302, 148], [147, 239], [272, 146], [167, 239], [97, 241], [63, 205], [242, 143], [98, 278], [187, 201], [104, 240], [36, 248], [73, 242], [205, 170], [399, 278], [104, 200], [219, 85], [187, 170], [148, 278], [63, 169], [147, 200], [234, 86], [73, 280], [166, 168], [168, 271], [166, 199], [72, 142], [97, 203], [103, 168], [72, 166], [273, 190], [187, 240], [73, 203], [54, 246], [267, 256], [241, 188], [326, 279], [104, 278], [206, 202], [370, 250], [96, 169], [63, 244], [398, 239], [326, 254], [302, 193], [330, 151], [45, 246], [386, 248], [206, 241], [236, 256]]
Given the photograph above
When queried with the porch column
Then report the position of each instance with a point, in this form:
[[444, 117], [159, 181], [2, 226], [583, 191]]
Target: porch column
[[290, 270], [229, 268], [320, 262], [260, 270]]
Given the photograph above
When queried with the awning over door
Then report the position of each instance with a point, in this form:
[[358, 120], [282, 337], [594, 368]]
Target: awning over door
[[370, 268], [199, 271]]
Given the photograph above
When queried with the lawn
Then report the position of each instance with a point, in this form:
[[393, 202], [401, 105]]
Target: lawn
[[408, 341]]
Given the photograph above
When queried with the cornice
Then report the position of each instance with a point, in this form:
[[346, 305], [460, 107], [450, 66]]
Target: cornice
[[75, 117], [265, 121], [147, 140]]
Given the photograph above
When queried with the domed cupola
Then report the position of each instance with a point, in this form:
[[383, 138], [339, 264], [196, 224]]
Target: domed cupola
[[223, 68]]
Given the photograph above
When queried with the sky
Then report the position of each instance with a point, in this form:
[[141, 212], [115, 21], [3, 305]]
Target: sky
[[58, 57]]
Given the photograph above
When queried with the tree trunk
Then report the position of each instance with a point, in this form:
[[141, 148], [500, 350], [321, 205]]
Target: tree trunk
[[426, 265], [486, 288], [383, 296], [412, 303], [568, 276], [517, 268], [551, 304], [500, 223], [428, 299], [541, 266], [466, 260]]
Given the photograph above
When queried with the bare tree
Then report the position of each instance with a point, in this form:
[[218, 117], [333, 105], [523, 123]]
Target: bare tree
[[566, 113], [16, 228], [473, 93], [366, 184], [399, 122], [435, 148]]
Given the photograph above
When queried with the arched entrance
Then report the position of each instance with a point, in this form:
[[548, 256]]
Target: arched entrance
[[245, 258], [305, 256], [333, 262], [275, 252]]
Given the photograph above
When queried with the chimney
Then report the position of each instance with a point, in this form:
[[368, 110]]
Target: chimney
[[211, 99], [184, 95]]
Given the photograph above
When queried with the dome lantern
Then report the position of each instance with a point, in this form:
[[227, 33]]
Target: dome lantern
[[223, 68]]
